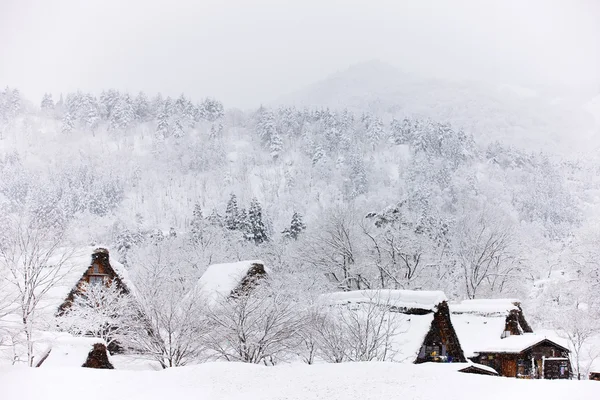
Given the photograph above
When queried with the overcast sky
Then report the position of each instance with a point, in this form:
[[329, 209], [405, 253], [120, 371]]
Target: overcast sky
[[250, 51]]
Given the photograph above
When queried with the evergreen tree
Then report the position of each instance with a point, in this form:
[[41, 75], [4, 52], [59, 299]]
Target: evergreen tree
[[256, 228], [141, 107], [215, 218], [47, 103], [162, 127], [196, 224], [232, 215], [67, 123], [275, 146], [243, 225], [296, 227], [266, 127]]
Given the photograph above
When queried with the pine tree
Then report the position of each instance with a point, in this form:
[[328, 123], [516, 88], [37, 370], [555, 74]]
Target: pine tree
[[141, 107], [256, 228], [296, 227], [47, 103], [67, 123], [275, 145], [232, 216], [196, 224], [162, 127], [266, 127], [215, 218]]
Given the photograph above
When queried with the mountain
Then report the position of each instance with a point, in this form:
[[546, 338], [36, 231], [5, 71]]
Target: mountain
[[533, 119]]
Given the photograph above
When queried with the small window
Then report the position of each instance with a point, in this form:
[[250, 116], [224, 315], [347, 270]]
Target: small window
[[96, 280], [95, 268]]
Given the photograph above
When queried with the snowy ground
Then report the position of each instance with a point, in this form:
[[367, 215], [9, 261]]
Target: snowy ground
[[215, 381]]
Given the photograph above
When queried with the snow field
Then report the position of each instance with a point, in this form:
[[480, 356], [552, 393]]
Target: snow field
[[220, 381]]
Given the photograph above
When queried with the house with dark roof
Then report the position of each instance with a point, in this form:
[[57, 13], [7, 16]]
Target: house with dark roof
[[526, 356]]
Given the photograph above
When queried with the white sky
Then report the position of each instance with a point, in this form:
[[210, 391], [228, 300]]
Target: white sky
[[245, 52]]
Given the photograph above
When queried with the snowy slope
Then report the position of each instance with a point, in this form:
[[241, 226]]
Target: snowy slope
[[220, 381], [531, 118]]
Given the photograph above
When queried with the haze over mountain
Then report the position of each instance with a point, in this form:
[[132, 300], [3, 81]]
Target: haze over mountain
[[536, 118]]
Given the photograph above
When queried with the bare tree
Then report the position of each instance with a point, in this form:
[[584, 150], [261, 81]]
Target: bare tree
[[100, 311], [169, 323], [483, 251], [578, 326], [259, 327], [336, 250], [360, 332], [32, 263]]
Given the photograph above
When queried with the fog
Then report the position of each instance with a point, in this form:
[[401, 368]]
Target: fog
[[248, 52]]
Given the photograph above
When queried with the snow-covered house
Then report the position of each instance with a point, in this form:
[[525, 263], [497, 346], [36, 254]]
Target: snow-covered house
[[426, 332], [221, 281], [99, 272], [481, 322], [595, 371], [76, 352], [526, 356]]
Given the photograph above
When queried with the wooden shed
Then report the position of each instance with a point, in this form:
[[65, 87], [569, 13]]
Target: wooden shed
[[76, 352], [527, 356]]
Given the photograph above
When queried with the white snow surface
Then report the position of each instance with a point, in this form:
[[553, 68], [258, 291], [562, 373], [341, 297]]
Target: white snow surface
[[485, 306], [476, 332], [422, 299], [232, 381], [479, 323], [517, 343], [220, 280], [70, 351]]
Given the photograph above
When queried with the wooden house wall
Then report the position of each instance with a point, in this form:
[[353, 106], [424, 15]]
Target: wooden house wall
[[521, 365]]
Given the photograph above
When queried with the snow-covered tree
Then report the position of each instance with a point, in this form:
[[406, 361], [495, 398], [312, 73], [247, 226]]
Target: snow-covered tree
[[102, 311], [296, 227], [256, 230]]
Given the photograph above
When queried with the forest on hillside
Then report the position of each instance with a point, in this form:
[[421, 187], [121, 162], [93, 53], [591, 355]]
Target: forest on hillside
[[327, 198]]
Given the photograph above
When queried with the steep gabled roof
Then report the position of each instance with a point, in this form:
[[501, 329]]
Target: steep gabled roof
[[517, 344], [223, 280], [111, 269]]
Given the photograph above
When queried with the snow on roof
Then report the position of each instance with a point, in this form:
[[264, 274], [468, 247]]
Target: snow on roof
[[515, 343], [403, 299], [411, 329], [456, 366], [70, 273], [480, 366], [476, 331], [220, 280], [485, 306], [70, 352]]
